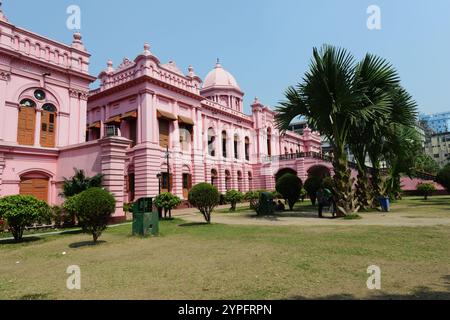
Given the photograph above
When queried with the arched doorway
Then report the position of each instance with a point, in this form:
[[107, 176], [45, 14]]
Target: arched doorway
[[35, 184], [284, 171]]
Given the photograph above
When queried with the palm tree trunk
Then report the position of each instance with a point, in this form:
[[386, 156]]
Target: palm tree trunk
[[362, 192], [343, 184]]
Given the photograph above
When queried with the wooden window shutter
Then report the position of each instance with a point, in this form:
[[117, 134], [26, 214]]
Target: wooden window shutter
[[190, 181], [48, 128], [26, 126], [163, 133]]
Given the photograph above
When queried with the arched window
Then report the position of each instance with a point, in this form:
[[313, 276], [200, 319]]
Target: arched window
[[236, 146], [26, 122], [48, 125], [269, 142], [211, 142], [247, 148], [227, 180], [224, 144], [214, 177], [240, 180]]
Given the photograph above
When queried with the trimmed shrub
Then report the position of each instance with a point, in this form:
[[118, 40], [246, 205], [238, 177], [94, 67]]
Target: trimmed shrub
[[205, 198], [234, 197], [443, 177], [290, 186], [94, 208], [167, 201], [21, 211], [312, 185], [253, 198], [425, 189]]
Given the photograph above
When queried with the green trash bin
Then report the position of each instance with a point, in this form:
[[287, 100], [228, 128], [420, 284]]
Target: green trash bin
[[266, 207], [145, 220]]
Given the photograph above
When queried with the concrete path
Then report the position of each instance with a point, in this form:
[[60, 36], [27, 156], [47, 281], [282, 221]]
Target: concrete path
[[308, 218]]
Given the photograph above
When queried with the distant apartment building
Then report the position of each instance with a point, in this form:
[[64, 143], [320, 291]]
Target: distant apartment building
[[438, 122], [438, 147]]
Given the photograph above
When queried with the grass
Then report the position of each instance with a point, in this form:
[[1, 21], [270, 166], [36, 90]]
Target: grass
[[198, 261]]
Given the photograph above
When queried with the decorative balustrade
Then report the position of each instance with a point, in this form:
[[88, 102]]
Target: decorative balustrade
[[352, 165], [49, 51]]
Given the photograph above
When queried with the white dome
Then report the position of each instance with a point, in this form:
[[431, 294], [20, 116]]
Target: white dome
[[219, 77]]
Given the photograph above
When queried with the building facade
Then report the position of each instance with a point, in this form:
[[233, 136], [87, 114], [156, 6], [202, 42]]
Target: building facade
[[148, 128], [184, 131], [438, 122], [437, 146]]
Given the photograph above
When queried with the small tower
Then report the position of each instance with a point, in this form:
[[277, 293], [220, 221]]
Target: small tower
[[221, 87]]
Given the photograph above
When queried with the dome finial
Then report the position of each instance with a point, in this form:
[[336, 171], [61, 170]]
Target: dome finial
[[109, 66], [218, 65], [147, 49]]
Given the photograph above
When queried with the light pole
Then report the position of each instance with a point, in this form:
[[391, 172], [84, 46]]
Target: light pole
[[159, 183]]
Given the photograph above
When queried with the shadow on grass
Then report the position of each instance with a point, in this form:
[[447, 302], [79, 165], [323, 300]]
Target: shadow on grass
[[24, 240], [418, 293], [82, 244], [194, 224], [291, 214]]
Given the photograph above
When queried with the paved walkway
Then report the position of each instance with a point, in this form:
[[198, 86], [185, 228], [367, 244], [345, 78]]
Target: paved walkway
[[307, 218]]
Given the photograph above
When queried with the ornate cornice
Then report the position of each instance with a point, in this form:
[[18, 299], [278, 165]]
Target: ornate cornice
[[5, 76], [79, 94]]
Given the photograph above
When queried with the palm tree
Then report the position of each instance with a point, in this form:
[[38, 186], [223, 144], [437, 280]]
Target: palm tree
[[379, 80], [402, 149], [79, 183], [380, 142], [335, 97]]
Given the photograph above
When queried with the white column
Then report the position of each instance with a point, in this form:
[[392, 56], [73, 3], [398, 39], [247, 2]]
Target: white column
[[37, 129]]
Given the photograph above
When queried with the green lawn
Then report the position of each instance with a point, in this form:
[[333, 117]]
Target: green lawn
[[192, 261]]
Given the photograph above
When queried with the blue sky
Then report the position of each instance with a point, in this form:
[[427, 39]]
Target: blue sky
[[265, 44]]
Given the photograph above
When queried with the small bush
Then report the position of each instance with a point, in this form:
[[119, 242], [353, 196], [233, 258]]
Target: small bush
[[94, 208], [290, 186], [312, 185], [128, 207], [21, 211], [234, 197], [277, 196], [205, 198], [167, 201], [253, 198], [425, 189]]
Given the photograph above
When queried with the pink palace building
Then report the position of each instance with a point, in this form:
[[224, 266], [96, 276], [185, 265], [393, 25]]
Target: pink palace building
[[148, 128]]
